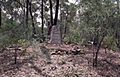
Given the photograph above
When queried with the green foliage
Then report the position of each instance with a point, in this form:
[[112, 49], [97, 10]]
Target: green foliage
[[81, 34], [6, 40], [73, 36], [110, 42], [10, 32], [23, 42]]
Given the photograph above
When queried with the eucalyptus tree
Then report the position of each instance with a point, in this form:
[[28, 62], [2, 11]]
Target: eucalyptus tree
[[53, 21], [118, 23], [51, 17], [67, 18], [18, 18], [101, 16], [32, 18], [56, 12], [42, 18]]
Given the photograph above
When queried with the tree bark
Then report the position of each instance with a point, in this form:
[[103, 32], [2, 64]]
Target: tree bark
[[32, 18], [27, 13], [65, 30], [42, 27], [56, 12], [95, 60], [15, 56], [0, 15], [118, 6], [51, 18], [51, 12], [96, 39], [117, 31]]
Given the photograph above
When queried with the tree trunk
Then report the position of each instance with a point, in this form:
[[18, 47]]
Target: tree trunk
[[42, 27], [51, 18], [117, 32], [95, 60], [51, 15], [65, 30], [27, 13], [0, 15], [32, 18], [96, 39], [15, 56], [118, 6], [56, 12]]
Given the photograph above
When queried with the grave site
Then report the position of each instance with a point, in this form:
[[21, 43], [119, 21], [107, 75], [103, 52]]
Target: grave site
[[59, 38]]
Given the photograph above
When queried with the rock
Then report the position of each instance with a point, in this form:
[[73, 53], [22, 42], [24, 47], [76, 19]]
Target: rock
[[55, 37]]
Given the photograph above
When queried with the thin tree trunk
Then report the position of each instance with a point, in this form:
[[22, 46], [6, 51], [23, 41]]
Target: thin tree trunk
[[118, 6], [51, 18], [27, 13], [65, 30], [42, 27], [0, 15], [56, 12], [24, 18], [96, 39], [51, 12], [117, 31], [95, 61], [32, 18], [15, 56]]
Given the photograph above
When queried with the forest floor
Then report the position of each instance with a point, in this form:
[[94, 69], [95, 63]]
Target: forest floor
[[33, 63]]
